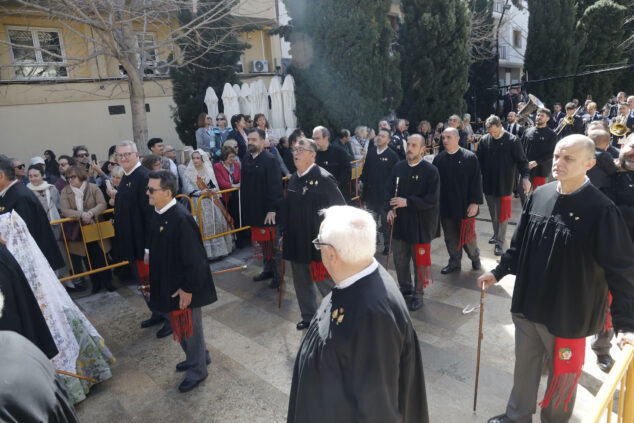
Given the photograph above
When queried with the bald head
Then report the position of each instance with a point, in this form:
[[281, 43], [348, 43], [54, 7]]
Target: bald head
[[450, 140], [573, 157], [600, 137], [579, 143]]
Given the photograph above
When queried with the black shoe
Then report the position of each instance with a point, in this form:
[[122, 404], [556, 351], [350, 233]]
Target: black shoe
[[274, 284], [188, 385], [386, 251], [182, 366], [154, 320], [166, 330], [302, 325], [449, 268], [71, 289], [406, 292], [262, 276], [417, 302], [96, 287], [81, 286], [110, 287], [492, 240], [476, 264], [605, 362], [502, 418], [498, 250]]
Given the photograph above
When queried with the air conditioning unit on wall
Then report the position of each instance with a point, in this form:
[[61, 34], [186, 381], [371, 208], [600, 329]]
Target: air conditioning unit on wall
[[259, 66]]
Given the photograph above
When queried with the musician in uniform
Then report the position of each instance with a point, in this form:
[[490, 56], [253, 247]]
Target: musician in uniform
[[512, 126], [398, 143], [413, 211], [566, 129], [556, 115], [262, 194], [309, 190]]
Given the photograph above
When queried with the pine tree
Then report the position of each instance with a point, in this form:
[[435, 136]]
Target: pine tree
[[213, 69], [345, 74], [552, 48], [435, 58], [601, 33]]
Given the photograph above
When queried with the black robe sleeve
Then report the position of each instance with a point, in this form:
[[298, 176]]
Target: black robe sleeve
[[475, 185], [430, 198], [509, 260], [519, 157], [275, 189]]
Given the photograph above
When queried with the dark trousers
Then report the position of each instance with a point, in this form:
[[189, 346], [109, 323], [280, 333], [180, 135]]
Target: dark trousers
[[195, 350], [134, 272], [306, 289], [533, 345], [273, 264], [380, 215], [451, 229], [499, 228], [404, 257], [602, 342], [97, 260]]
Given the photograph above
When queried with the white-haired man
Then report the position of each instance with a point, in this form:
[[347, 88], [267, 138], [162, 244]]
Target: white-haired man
[[360, 359], [571, 245], [132, 216]]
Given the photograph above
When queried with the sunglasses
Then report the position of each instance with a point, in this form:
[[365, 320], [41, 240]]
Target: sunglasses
[[82, 155], [153, 190], [19, 166]]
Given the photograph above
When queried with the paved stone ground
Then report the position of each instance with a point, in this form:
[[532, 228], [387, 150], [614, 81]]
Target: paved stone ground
[[253, 346]]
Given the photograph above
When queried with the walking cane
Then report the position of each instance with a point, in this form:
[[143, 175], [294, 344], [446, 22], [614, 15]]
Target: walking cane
[[480, 336], [279, 300], [389, 251], [89, 379]]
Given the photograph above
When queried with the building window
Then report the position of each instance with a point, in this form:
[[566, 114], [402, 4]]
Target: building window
[[152, 66], [37, 53], [503, 55], [517, 38], [498, 6]]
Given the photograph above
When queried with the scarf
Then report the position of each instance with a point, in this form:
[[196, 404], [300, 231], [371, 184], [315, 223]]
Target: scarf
[[79, 196], [43, 188]]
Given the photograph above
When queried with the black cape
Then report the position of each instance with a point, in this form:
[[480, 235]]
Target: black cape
[[360, 360], [624, 197], [566, 252], [336, 161], [396, 143], [178, 260], [460, 182], [374, 176], [21, 312], [261, 188], [419, 222], [132, 214], [25, 203], [499, 161], [539, 145], [300, 219], [31, 391], [601, 175]]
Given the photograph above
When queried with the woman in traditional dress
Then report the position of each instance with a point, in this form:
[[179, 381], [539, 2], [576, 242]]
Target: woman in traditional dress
[[81, 348], [199, 179]]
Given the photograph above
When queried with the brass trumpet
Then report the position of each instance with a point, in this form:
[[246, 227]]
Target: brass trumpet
[[567, 120], [618, 128]]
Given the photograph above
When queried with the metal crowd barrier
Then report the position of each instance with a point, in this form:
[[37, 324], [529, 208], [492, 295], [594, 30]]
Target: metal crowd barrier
[[621, 376]]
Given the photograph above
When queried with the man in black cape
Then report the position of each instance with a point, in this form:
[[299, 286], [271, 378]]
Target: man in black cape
[[132, 215], [180, 278], [378, 164], [16, 196], [414, 213], [309, 190], [360, 359], [333, 159], [570, 247], [261, 196], [501, 155], [460, 197], [21, 312], [31, 392]]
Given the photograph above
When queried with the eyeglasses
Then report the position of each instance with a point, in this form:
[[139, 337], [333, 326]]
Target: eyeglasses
[[125, 155], [83, 155], [71, 177], [153, 190], [19, 166], [317, 244], [300, 149], [208, 118]]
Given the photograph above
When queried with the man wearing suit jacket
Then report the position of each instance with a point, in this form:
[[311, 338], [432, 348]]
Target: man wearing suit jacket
[[512, 126], [557, 114]]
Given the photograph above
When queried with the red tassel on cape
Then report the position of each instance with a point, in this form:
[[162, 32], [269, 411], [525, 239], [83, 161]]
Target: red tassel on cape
[[181, 321], [318, 271], [569, 358], [144, 278], [263, 242], [423, 265], [538, 181], [467, 232], [608, 318], [505, 209]]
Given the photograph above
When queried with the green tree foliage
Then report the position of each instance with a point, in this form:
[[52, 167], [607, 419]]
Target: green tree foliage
[[552, 48], [600, 32], [435, 58], [212, 69], [345, 74]]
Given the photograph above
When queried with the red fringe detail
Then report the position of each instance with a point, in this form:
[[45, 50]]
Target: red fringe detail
[[505, 209], [567, 371], [263, 242], [422, 258], [144, 278], [318, 271], [538, 181], [424, 277], [467, 232], [608, 318], [181, 321]]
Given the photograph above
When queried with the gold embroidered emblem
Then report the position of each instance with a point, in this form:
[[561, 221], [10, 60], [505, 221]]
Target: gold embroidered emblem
[[129, 184], [304, 190], [161, 229], [316, 182], [1, 209], [337, 315], [311, 182]]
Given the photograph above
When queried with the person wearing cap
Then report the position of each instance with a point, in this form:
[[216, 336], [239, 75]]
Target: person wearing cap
[[39, 162]]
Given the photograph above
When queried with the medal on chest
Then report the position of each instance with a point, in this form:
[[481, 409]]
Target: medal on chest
[[337, 316], [415, 178]]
